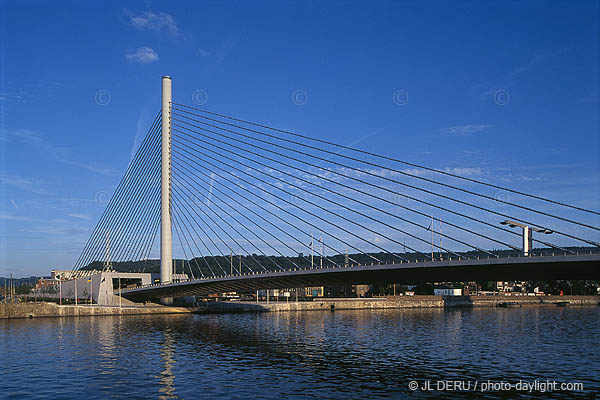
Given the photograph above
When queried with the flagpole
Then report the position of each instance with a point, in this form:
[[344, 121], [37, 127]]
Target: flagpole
[[432, 238], [312, 251], [322, 250], [75, 292], [441, 257]]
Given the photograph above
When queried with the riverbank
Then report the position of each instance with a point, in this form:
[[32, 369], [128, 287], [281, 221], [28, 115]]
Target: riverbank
[[43, 309], [400, 302]]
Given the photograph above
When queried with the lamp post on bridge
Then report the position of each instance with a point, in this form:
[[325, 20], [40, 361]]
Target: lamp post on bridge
[[527, 234]]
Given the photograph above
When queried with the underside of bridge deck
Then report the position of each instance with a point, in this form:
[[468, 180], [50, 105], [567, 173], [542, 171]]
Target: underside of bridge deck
[[571, 267]]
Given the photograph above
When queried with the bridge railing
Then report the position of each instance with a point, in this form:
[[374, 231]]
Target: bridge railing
[[393, 262]]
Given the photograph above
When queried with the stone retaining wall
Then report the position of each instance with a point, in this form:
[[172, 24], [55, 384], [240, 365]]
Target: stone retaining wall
[[42, 309], [399, 302]]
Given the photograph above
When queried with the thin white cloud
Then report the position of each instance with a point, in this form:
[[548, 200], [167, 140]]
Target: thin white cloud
[[14, 180], [60, 154], [143, 122], [464, 171], [80, 216], [538, 58], [379, 240], [512, 78], [366, 174], [224, 51], [220, 54], [16, 218], [22, 183], [158, 22], [143, 55], [8, 96], [466, 130]]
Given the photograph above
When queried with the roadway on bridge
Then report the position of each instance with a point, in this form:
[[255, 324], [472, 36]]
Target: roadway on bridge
[[572, 267]]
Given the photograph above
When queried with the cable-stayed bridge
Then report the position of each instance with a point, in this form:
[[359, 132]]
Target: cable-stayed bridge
[[252, 207]]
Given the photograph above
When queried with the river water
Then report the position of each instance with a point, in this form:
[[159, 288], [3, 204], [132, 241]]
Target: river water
[[364, 354]]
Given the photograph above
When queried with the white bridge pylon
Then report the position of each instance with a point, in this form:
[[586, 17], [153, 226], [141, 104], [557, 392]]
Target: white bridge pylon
[[166, 242]]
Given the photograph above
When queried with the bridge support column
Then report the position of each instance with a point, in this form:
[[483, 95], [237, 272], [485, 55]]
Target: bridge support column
[[166, 244], [527, 234], [527, 240]]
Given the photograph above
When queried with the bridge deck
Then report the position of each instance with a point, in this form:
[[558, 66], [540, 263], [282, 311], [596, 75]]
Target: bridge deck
[[582, 266]]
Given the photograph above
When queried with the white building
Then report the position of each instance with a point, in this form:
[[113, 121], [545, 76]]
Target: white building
[[103, 286], [443, 290]]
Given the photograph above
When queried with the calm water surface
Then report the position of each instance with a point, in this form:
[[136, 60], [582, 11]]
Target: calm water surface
[[332, 355]]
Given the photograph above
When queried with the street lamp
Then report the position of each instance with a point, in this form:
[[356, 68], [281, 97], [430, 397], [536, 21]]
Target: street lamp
[[527, 234]]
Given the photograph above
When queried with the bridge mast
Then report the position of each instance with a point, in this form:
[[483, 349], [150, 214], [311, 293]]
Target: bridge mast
[[166, 245]]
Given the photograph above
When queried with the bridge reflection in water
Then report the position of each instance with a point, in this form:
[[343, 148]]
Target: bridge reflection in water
[[167, 377], [335, 355]]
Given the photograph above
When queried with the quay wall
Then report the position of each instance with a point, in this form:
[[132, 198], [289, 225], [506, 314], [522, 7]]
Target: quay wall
[[400, 302], [43, 309]]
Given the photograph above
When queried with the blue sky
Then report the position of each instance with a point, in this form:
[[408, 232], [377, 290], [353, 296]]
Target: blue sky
[[503, 91]]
